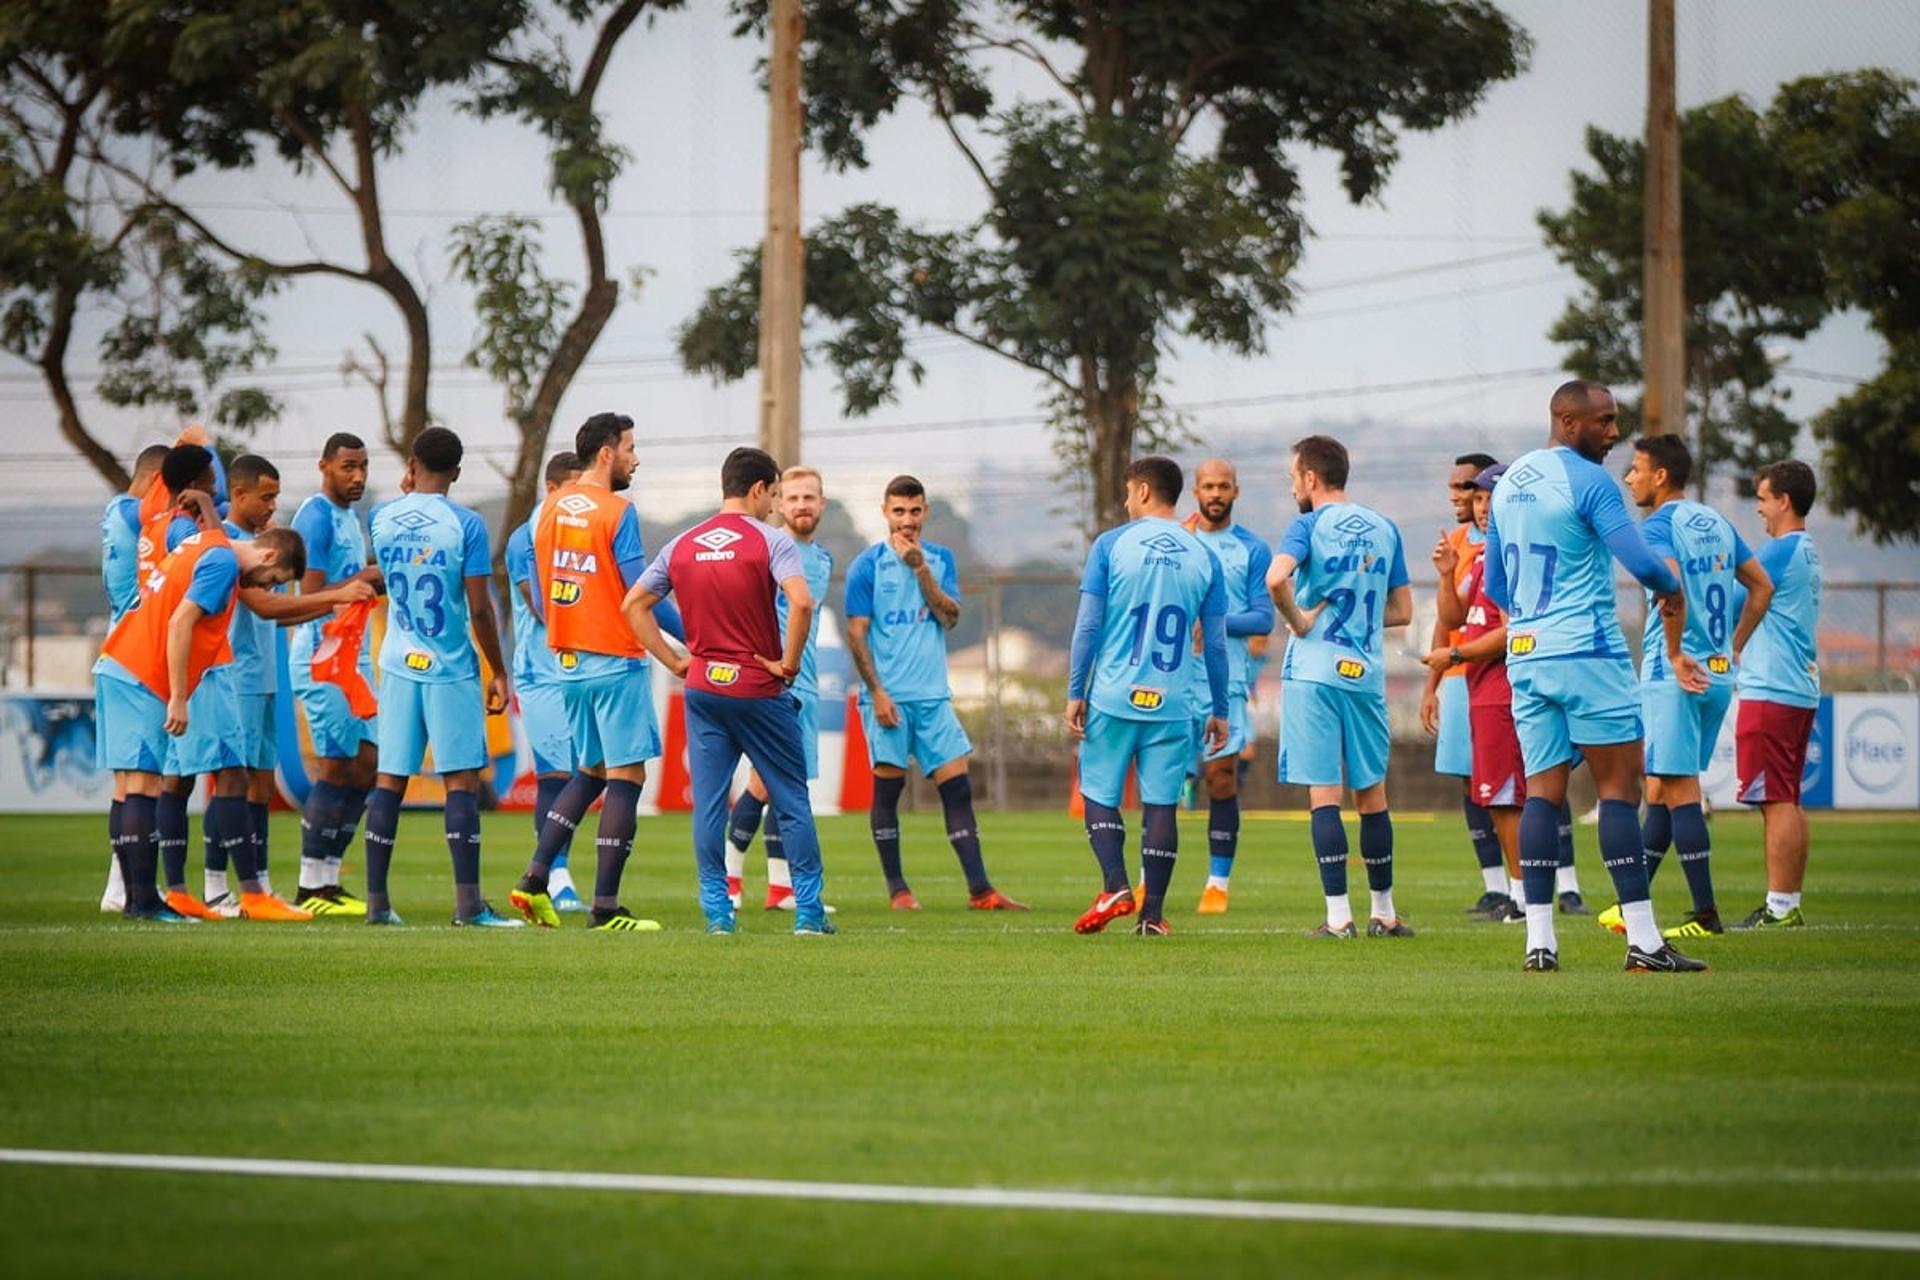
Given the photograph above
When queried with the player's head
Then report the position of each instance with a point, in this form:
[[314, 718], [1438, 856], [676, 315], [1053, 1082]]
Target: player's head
[[750, 475], [433, 463], [1481, 489], [1319, 470], [1216, 487], [343, 468], [1661, 467], [253, 490], [187, 466], [604, 445], [802, 500], [1460, 482], [1784, 492], [1585, 418], [1153, 485], [562, 468], [146, 468], [273, 557], [904, 504]]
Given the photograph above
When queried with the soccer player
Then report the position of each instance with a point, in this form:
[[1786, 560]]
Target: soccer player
[[1712, 562], [1244, 560], [536, 682], [802, 500], [434, 556], [725, 571], [903, 596], [1129, 701], [1476, 635], [152, 685], [1444, 705], [343, 743], [1779, 686], [587, 553], [1351, 585], [1557, 525]]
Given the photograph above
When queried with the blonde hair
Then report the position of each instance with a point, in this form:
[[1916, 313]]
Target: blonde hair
[[801, 473]]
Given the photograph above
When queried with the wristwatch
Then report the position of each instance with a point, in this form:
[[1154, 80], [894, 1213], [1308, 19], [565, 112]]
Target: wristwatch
[[1454, 653]]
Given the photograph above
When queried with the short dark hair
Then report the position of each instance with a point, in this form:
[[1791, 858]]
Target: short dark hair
[[904, 487], [249, 469], [601, 431], [438, 450], [1571, 388], [184, 464], [1325, 457], [340, 440], [1478, 461], [1792, 479], [149, 459], [561, 465], [1669, 453], [744, 468], [289, 546], [1162, 476]]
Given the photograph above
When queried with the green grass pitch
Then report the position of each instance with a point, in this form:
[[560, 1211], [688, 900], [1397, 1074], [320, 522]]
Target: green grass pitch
[[955, 1048]]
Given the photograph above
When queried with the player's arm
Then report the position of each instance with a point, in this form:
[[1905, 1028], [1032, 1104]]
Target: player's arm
[[1489, 646], [1257, 618], [1399, 611], [1213, 631], [799, 623], [1088, 624], [649, 588], [179, 645], [1296, 545], [486, 631], [932, 587], [291, 610], [199, 506], [1495, 561], [858, 607], [1759, 585]]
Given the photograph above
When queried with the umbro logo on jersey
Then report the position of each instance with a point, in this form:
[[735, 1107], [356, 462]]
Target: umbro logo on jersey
[[412, 520], [1526, 477], [718, 539], [1165, 544], [1354, 524], [1703, 522], [577, 504]]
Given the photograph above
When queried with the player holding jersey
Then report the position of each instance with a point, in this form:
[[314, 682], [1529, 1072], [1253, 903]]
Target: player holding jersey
[[903, 596], [434, 556], [801, 503], [1557, 525], [1780, 689], [1712, 562], [1244, 559], [1339, 578], [1130, 701]]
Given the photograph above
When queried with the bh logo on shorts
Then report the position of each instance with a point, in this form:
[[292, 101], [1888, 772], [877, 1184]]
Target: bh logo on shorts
[[577, 504], [722, 673], [418, 661], [1719, 664], [1144, 699], [717, 542], [569, 660]]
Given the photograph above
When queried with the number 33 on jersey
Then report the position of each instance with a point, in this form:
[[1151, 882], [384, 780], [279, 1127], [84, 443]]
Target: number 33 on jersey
[[427, 547]]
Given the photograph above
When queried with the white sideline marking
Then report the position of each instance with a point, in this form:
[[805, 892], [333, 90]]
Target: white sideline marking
[[989, 1198]]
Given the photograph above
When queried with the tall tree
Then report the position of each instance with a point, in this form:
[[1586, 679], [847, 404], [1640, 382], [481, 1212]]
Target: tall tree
[[1149, 195]]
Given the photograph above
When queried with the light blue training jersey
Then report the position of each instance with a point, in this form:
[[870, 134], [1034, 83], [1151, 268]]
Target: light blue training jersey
[[533, 662], [1709, 551], [1244, 560], [252, 637], [908, 643], [427, 546], [1156, 579], [120, 554], [816, 562], [1350, 559], [337, 546], [1780, 663]]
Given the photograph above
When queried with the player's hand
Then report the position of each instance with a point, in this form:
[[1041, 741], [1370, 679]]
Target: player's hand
[[1303, 623], [195, 434], [1215, 733], [1430, 700], [1446, 557], [1688, 672], [176, 715], [1672, 606], [679, 664], [496, 695], [884, 710], [200, 505], [1077, 718], [907, 547], [778, 670], [356, 591]]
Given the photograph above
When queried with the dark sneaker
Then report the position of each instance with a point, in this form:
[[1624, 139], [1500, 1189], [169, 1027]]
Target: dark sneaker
[[1665, 960], [1488, 901], [1152, 928], [1572, 904], [1762, 918], [1328, 931], [1511, 912], [1394, 928], [1541, 960], [1497, 908]]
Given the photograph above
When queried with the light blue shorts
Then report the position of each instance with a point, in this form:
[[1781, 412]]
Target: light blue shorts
[[215, 738], [129, 726], [1563, 703], [612, 719], [336, 732], [1239, 731], [259, 735], [1159, 750], [1682, 727], [810, 732], [1453, 750], [1323, 728], [928, 732], [448, 715], [543, 719]]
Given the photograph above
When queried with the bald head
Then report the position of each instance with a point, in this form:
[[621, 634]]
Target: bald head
[[1585, 418], [1216, 487]]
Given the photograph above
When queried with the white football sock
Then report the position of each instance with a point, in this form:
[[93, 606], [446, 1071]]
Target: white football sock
[[266, 885], [1517, 890], [779, 874], [736, 860], [1495, 878], [1566, 880], [1642, 930], [216, 884], [313, 873], [1781, 903], [1217, 882], [1382, 904], [116, 884], [559, 878], [1540, 928], [1339, 912]]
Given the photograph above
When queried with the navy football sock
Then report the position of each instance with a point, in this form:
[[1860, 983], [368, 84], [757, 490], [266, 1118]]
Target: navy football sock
[[319, 819], [212, 857], [615, 842], [139, 852], [383, 822], [1620, 851], [1107, 833], [1695, 847], [1656, 834], [462, 824], [1376, 849], [353, 803], [745, 820], [562, 820], [1539, 850], [1486, 843], [1330, 848], [1563, 822], [1223, 835], [963, 831], [546, 789], [170, 825], [1159, 847], [884, 819], [257, 816], [231, 828], [776, 851], [115, 809]]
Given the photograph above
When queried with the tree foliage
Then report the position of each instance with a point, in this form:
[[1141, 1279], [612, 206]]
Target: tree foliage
[[1152, 195]]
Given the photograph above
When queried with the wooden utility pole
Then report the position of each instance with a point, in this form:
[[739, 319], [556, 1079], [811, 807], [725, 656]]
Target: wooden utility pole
[[1664, 324], [782, 263]]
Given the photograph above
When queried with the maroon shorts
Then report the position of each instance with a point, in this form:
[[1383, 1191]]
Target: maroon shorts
[[1770, 750], [1499, 774]]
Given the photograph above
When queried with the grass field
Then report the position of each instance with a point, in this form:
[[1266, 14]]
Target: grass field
[[1234, 1059]]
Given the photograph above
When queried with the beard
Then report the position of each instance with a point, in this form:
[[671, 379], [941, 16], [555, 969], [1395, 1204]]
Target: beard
[[1306, 505], [1217, 512], [803, 523]]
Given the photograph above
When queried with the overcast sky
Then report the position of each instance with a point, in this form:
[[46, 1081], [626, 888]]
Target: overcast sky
[[1470, 290]]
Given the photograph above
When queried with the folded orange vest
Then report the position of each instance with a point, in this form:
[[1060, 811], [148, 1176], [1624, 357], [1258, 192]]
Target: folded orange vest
[[336, 658]]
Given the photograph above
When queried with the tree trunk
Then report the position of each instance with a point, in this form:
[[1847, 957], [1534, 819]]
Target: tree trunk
[[1113, 415], [53, 368]]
